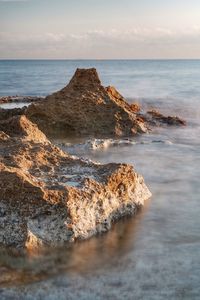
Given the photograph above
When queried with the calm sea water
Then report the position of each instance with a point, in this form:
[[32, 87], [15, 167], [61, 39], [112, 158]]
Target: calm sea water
[[156, 254]]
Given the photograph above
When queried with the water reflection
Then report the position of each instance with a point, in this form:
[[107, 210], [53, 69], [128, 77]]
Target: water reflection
[[102, 251]]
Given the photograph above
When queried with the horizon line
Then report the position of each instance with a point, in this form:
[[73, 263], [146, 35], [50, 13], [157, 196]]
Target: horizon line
[[98, 59]]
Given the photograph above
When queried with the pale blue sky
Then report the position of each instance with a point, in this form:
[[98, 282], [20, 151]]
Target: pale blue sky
[[99, 29]]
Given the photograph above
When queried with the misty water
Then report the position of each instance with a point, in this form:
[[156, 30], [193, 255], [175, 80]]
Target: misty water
[[155, 254], [14, 105]]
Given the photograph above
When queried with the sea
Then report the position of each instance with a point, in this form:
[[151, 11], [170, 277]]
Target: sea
[[155, 254]]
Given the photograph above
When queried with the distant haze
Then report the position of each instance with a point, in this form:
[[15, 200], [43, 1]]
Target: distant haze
[[99, 29]]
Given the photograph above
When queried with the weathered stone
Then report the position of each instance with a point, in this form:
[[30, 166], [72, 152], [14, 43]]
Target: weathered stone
[[155, 118], [135, 107], [18, 99], [19, 126], [50, 197], [85, 107], [8, 113]]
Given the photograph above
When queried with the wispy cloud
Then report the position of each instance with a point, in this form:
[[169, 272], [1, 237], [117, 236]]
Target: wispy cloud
[[132, 43]]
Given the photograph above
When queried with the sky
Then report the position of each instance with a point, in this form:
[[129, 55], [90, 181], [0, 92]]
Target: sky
[[99, 29]]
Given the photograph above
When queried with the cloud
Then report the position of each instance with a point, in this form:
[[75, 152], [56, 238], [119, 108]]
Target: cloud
[[132, 43]]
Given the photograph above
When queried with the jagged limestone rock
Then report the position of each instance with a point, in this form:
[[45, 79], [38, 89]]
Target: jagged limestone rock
[[49, 197], [85, 108]]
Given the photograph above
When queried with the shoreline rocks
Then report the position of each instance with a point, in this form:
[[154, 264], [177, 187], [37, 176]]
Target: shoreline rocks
[[19, 99], [155, 118], [85, 108], [8, 113], [49, 197]]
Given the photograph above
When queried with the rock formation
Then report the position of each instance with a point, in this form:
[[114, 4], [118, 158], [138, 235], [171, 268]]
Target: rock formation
[[8, 113], [18, 99], [155, 118], [50, 197], [85, 107]]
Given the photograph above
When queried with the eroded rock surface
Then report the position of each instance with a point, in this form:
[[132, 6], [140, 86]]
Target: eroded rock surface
[[50, 197], [85, 107], [155, 118], [18, 99], [8, 113]]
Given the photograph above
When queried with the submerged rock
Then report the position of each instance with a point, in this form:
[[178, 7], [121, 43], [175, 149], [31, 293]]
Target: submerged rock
[[18, 99], [50, 197], [85, 107], [155, 118]]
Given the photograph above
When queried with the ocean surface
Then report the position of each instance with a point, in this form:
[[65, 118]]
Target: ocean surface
[[156, 254]]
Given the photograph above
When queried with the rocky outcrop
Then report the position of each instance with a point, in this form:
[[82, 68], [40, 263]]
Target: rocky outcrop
[[19, 126], [8, 113], [85, 107], [155, 118], [50, 197], [18, 99]]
